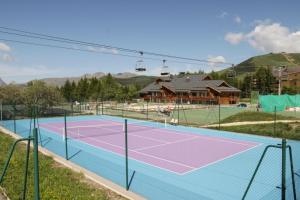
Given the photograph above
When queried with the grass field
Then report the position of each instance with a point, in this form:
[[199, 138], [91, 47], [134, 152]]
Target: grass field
[[205, 115], [56, 181], [283, 130], [253, 116]]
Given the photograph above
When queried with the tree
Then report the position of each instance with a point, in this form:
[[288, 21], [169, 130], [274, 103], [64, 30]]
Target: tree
[[11, 94], [38, 93], [264, 80], [67, 91], [82, 89], [247, 86]]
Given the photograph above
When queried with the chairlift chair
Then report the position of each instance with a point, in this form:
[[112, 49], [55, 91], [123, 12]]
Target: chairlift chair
[[139, 66], [165, 69], [231, 73]]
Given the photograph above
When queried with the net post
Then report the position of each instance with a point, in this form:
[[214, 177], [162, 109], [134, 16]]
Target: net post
[[66, 136], [36, 165], [126, 155], [283, 169]]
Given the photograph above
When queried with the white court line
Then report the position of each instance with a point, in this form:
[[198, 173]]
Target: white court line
[[120, 147], [222, 159], [159, 145], [213, 138]]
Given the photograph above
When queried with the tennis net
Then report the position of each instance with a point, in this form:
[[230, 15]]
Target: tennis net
[[111, 128]]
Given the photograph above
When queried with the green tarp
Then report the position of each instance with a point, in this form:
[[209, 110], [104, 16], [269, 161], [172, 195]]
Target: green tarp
[[281, 102]]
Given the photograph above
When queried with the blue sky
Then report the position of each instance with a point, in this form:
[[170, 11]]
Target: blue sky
[[229, 31]]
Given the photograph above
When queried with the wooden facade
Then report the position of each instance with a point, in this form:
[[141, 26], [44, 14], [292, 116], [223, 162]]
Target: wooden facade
[[208, 92]]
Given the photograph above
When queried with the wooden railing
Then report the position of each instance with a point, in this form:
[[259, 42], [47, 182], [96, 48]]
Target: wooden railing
[[193, 98]]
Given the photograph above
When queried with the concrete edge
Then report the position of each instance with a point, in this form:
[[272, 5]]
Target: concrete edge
[[89, 175]]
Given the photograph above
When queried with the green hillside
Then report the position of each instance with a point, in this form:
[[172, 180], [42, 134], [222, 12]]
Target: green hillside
[[267, 60], [141, 81]]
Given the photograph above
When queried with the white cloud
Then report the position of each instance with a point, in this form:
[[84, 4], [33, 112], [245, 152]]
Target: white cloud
[[103, 50], [234, 38], [222, 15], [17, 71], [6, 57], [238, 19], [269, 38], [215, 63], [216, 59], [4, 47], [260, 22]]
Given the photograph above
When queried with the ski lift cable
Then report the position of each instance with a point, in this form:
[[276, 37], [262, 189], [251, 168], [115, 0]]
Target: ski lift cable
[[40, 36]]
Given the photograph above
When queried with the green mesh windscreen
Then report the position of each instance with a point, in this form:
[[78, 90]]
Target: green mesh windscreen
[[281, 102]]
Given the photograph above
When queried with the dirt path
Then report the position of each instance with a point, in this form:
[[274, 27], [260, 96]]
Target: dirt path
[[292, 60], [2, 196], [251, 122]]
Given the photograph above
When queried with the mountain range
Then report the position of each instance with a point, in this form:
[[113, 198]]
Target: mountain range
[[248, 66], [62, 80]]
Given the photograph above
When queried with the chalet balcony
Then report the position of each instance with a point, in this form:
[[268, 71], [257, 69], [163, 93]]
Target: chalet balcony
[[192, 99]]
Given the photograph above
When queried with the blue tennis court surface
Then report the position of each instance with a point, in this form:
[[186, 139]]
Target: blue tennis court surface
[[179, 163]]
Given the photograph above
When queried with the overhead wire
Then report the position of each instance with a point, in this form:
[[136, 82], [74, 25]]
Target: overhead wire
[[33, 35]]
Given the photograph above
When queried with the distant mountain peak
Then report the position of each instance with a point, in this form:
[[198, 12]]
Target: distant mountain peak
[[61, 81], [2, 82]]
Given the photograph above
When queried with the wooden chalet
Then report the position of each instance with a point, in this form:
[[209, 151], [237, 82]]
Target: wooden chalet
[[191, 89]]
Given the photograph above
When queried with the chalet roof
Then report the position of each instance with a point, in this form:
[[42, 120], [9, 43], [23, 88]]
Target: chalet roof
[[189, 83]]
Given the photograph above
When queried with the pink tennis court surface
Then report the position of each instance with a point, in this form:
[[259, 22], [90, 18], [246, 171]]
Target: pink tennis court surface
[[175, 151]]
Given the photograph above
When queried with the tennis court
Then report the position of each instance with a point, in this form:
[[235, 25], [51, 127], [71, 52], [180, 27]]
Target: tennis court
[[175, 151], [168, 162]]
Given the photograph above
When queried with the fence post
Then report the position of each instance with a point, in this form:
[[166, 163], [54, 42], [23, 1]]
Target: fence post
[[11, 151], [219, 114], [177, 112], [72, 108], [292, 171], [36, 165], [1, 111], [66, 136], [102, 106], [126, 155], [15, 124], [26, 169], [283, 169], [275, 120], [147, 110]]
